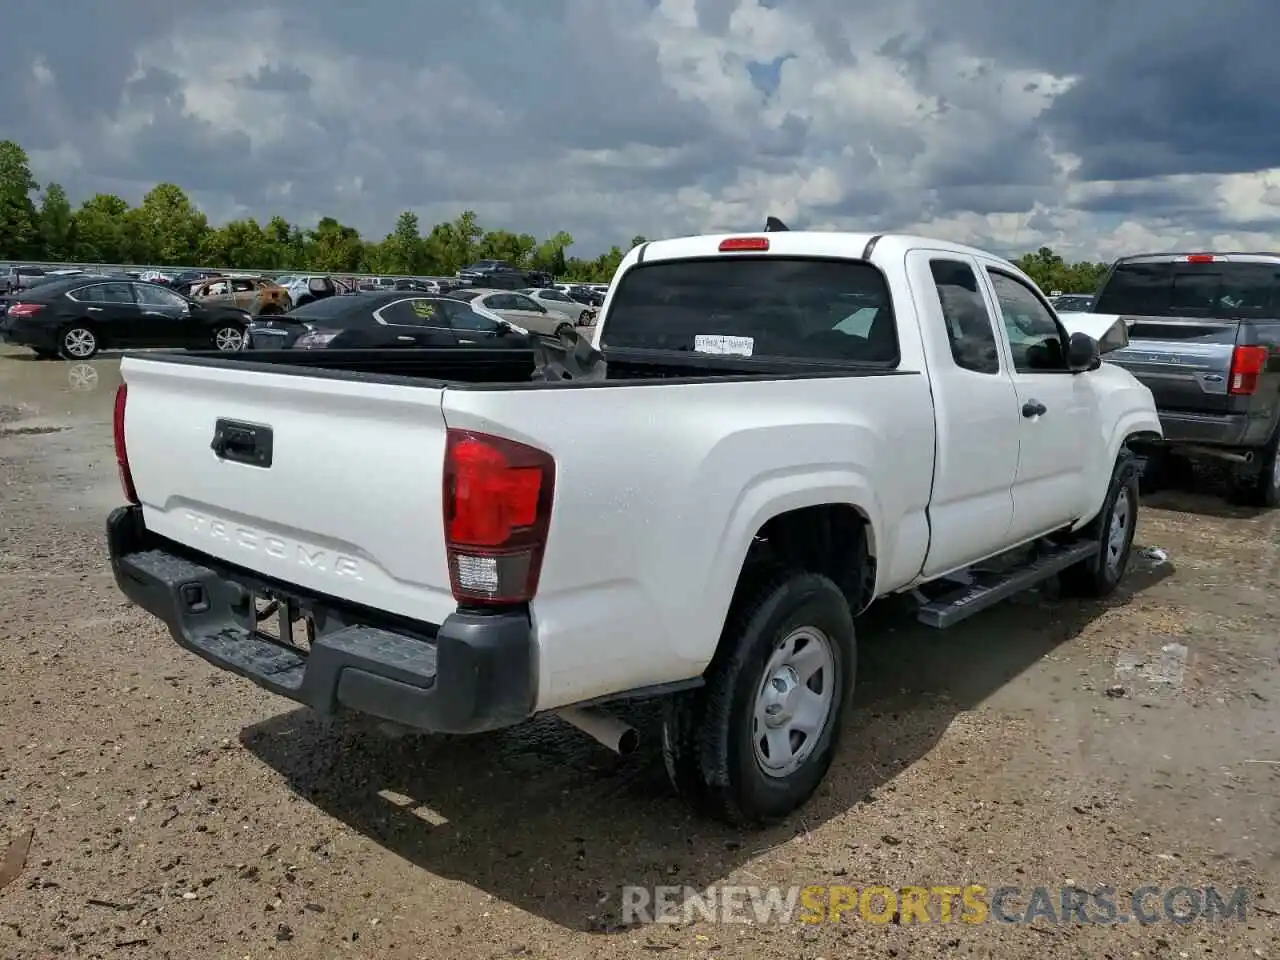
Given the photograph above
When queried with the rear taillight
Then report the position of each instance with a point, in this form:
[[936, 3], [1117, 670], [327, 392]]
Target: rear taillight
[[497, 510], [1247, 364], [122, 452], [25, 309]]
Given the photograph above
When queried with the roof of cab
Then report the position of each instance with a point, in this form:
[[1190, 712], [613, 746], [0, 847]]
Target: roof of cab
[[805, 243]]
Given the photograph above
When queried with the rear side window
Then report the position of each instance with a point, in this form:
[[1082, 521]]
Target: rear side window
[[1218, 290], [969, 330], [784, 307], [329, 308]]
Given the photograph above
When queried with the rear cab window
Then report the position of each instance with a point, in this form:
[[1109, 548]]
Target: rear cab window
[[1217, 289], [791, 308]]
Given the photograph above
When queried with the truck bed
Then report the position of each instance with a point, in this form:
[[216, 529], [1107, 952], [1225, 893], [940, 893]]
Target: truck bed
[[510, 367], [333, 487]]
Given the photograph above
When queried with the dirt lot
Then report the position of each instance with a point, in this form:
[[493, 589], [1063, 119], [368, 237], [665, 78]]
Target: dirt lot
[[179, 812]]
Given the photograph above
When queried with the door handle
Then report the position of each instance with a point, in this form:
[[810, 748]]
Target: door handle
[[94, 309], [1034, 408]]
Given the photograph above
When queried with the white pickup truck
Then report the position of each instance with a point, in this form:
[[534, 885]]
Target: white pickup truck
[[768, 432]]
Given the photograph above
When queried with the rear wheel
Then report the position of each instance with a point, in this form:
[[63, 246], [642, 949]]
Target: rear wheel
[[584, 318], [78, 342], [755, 742], [564, 329], [228, 338]]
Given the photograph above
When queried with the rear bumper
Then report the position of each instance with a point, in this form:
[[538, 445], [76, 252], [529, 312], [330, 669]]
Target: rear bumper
[[1230, 431], [25, 333], [472, 673]]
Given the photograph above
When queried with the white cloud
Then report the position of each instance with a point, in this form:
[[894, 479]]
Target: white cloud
[[640, 117]]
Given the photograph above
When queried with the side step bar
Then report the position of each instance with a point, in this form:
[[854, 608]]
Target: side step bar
[[990, 589]]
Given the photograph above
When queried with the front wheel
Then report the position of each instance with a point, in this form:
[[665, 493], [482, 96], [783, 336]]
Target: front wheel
[[1112, 529], [228, 339], [78, 342], [565, 329], [755, 742]]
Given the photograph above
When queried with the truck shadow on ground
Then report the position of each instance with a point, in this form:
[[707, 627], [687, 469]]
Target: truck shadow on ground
[[544, 819]]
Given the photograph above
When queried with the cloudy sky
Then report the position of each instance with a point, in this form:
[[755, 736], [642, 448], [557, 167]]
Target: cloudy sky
[[1098, 127]]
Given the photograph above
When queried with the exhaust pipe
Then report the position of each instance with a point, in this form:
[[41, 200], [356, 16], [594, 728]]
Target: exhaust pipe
[[1216, 453], [619, 737]]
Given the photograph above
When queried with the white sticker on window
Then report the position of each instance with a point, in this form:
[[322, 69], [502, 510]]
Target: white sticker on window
[[736, 346]]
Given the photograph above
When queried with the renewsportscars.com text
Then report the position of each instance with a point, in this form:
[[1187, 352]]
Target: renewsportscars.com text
[[969, 903]]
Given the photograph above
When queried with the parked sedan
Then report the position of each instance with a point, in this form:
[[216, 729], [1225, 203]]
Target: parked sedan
[[556, 301], [260, 297], [76, 317], [516, 308], [395, 319]]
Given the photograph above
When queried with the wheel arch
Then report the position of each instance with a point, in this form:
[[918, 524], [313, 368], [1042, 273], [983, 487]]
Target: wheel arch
[[832, 531]]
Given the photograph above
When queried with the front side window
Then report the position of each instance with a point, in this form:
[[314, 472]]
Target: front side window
[[1036, 339]]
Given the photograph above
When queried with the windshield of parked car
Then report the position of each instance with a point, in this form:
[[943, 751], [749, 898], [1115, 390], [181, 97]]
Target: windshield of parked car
[[778, 307]]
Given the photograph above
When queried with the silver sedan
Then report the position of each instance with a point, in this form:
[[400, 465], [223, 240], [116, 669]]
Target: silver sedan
[[557, 301]]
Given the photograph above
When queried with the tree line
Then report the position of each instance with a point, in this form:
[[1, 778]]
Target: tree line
[[167, 229]]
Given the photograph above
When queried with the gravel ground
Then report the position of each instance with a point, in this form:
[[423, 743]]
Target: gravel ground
[[178, 812]]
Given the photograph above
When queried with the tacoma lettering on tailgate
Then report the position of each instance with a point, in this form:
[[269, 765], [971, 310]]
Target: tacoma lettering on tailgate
[[254, 541]]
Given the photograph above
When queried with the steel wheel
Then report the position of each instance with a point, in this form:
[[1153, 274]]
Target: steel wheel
[[79, 343], [1118, 532], [794, 701], [229, 339]]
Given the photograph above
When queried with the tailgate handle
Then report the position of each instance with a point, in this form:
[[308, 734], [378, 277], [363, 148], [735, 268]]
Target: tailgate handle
[[249, 443]]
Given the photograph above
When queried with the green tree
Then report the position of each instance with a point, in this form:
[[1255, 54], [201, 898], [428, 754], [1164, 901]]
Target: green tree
[[335, 248], [19, 225], [170, 226], [405, 252], [57, 225], [99, 230], [240, 243]]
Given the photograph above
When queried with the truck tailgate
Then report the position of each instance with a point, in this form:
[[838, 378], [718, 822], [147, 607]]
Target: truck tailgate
[[1185, 363], [349, 505]]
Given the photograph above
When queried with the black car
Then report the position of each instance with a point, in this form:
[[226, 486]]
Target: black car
[[77, 316], [586, 295], [393, 319]]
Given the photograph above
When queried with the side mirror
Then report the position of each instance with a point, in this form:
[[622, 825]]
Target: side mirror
[[1083, 353]]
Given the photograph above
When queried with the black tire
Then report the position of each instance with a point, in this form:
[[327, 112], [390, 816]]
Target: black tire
[[709, 737], [584, 318], [565, 328], [1099, 574], [1260, 487], [75, 333]]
